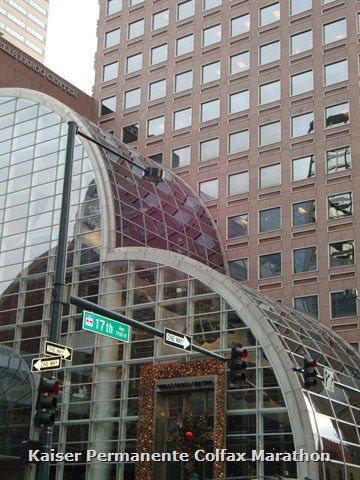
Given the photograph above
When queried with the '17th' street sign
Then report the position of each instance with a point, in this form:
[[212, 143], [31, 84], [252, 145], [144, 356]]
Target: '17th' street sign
[[106, 326], [177, 340], [45, 364]]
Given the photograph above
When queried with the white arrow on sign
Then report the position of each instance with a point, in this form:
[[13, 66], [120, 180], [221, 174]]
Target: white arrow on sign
[[46, 363], [54, 349], [177, 339], [182, 342]]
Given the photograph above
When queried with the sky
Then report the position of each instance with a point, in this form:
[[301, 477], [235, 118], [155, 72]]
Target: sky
[[71, 41]]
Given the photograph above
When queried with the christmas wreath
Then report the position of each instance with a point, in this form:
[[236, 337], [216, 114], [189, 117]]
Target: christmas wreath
[[191, 433]]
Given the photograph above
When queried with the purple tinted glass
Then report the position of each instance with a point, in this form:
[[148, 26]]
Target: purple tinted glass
[[168, 215]]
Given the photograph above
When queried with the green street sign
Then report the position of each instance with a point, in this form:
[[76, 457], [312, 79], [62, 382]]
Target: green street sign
[[106, 326]]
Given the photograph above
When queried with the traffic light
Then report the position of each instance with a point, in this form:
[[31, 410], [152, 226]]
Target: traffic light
[[46, 403], [310, 373], [238, 364]]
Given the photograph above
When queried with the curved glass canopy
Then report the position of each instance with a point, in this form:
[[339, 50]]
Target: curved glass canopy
[[153, 283]]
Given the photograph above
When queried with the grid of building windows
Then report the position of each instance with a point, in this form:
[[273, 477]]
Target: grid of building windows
[[237, 111]]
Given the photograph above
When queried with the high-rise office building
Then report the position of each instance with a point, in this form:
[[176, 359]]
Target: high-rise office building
[[24, 23], [256, 105], [150, 251]]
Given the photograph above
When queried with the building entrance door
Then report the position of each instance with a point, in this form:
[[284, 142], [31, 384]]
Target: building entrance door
[[177, 399]]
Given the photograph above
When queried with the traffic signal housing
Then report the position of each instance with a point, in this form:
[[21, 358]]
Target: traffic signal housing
[[46, 403], [238, 365], [310, 373]]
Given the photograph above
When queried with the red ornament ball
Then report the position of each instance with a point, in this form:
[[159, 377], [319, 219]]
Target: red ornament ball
[[189, 435]]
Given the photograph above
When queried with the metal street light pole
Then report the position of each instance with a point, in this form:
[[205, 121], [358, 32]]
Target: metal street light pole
[[43, 468], [59, 289], [59, 293]]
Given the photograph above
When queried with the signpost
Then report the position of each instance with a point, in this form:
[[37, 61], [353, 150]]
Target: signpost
[[177, 340], [55, 350], [329, 379], [45, 364], [93, 322]]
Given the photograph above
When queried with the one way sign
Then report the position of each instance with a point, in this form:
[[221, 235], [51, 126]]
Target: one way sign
[[45, 364], [177, 340], [55, 350]]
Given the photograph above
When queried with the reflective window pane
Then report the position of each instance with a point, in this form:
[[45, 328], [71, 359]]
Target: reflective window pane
[[238, 226], [183, 81], [270, 92], [156, 126], [185, 44], [159, 54], [208, 190], [270, 133], [134, 63], [239, 269], [209, 149], [211, 35], [299, 6], [238, 183], [181, 157], [239, 25], [304, 213], [340, 205], [239, 141], [112, 38], [270, 265], [341, 254], [270, 14], [335, 31], [182, 118], [210, 110], [305, 260], [160, 19], [136, 29], [18, 142], [157, 90], [341, 306], [186, 9], [157, 157], [130, 133], [270, 219], [239, 101], [239, 63], [114, 6], [108, 105], [337, 115], [110, 71], [336, 72], [301, 42], [207, 4], [270, 176], [210, 72], [308, 305], [303, 168], [302, 82], [302, 124], [338, 160], [132, 98], [269, 52]]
